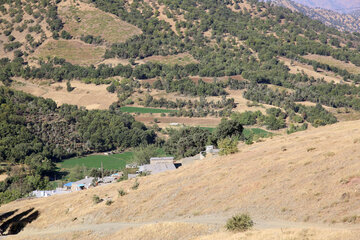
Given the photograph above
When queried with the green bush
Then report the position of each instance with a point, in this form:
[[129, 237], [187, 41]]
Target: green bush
[[228, 146], [109, 202], [121, 192], [239, 223], [97, 199], [136, 185]]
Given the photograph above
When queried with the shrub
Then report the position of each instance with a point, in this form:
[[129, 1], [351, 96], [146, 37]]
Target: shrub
[[136, 185], [121, 192], [239, 223], [69, 88], [97, 199], [143, 154], [109, 202], [228, 146]]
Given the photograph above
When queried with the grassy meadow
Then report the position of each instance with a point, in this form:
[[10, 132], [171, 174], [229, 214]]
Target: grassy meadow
[[114, 161]]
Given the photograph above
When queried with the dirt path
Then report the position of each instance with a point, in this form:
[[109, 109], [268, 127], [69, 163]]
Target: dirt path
[[216, 221]]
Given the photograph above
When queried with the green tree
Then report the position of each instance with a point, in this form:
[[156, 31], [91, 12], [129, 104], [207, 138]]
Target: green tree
[[228, 128], [228, 146], [143, 154]]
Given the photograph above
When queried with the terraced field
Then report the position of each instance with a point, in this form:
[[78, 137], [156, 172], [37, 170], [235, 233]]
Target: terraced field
[[144, 110], [74, 51], [83, 19]]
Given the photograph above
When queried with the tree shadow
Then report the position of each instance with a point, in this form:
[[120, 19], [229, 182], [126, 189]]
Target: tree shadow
[[4, 216], [19, 226], [17, 223]]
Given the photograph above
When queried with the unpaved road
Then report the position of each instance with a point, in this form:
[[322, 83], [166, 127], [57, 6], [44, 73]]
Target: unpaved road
[[217, 221]]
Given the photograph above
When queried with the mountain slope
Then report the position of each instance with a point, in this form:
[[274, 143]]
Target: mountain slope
[[319, 11], [335, 5], [312, 176]]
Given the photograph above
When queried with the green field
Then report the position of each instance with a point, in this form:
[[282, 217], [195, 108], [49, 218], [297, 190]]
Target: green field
[[256, 131], [144, 110], [115, 161]]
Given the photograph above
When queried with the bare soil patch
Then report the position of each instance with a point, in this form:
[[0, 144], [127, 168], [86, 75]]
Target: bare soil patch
[[89, 96], [296, 67], [165, 121]]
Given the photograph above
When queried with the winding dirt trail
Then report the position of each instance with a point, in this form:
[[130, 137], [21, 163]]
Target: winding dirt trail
[[215, 221]]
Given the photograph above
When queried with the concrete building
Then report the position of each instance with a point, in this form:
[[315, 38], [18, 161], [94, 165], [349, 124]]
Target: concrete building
[[44, 193], [157, 160], [81, 184], [156, 168], [209, 151]]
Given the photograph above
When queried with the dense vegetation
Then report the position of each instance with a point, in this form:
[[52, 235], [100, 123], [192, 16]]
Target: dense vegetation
[[36, 133], [190, 141]]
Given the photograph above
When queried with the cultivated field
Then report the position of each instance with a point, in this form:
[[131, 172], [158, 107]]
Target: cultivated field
[[179, 59], [114, 161], [296, 67], [164, 122], [306, 188], [74, 51], [83, 19], [90, 96], [350, 67], [144, 110]]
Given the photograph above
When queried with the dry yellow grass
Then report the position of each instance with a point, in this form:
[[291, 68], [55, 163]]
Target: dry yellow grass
[[296, 67], [281, 183], [89, 96], [83, 19], [180, 59], [350, 67], [3, 177], [74, 51]]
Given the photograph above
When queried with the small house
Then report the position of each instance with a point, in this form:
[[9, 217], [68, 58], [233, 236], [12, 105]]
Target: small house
[[156, 168], [157, 160], [82, 184]]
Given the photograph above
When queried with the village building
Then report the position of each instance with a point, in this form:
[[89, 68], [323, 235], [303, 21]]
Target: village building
[[45, 193], [157, 160], [209, 151], [157, 165], [80, 185], [156, 168]]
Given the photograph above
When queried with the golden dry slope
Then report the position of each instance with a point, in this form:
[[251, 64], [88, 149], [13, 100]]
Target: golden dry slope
[[300, 186]]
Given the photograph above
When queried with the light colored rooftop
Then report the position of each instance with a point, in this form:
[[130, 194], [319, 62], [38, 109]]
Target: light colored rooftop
[[157, 168]]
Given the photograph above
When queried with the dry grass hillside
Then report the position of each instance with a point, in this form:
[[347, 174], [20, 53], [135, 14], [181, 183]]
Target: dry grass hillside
[[83, 19], [90, 96], [74, 51], [300, 186]]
